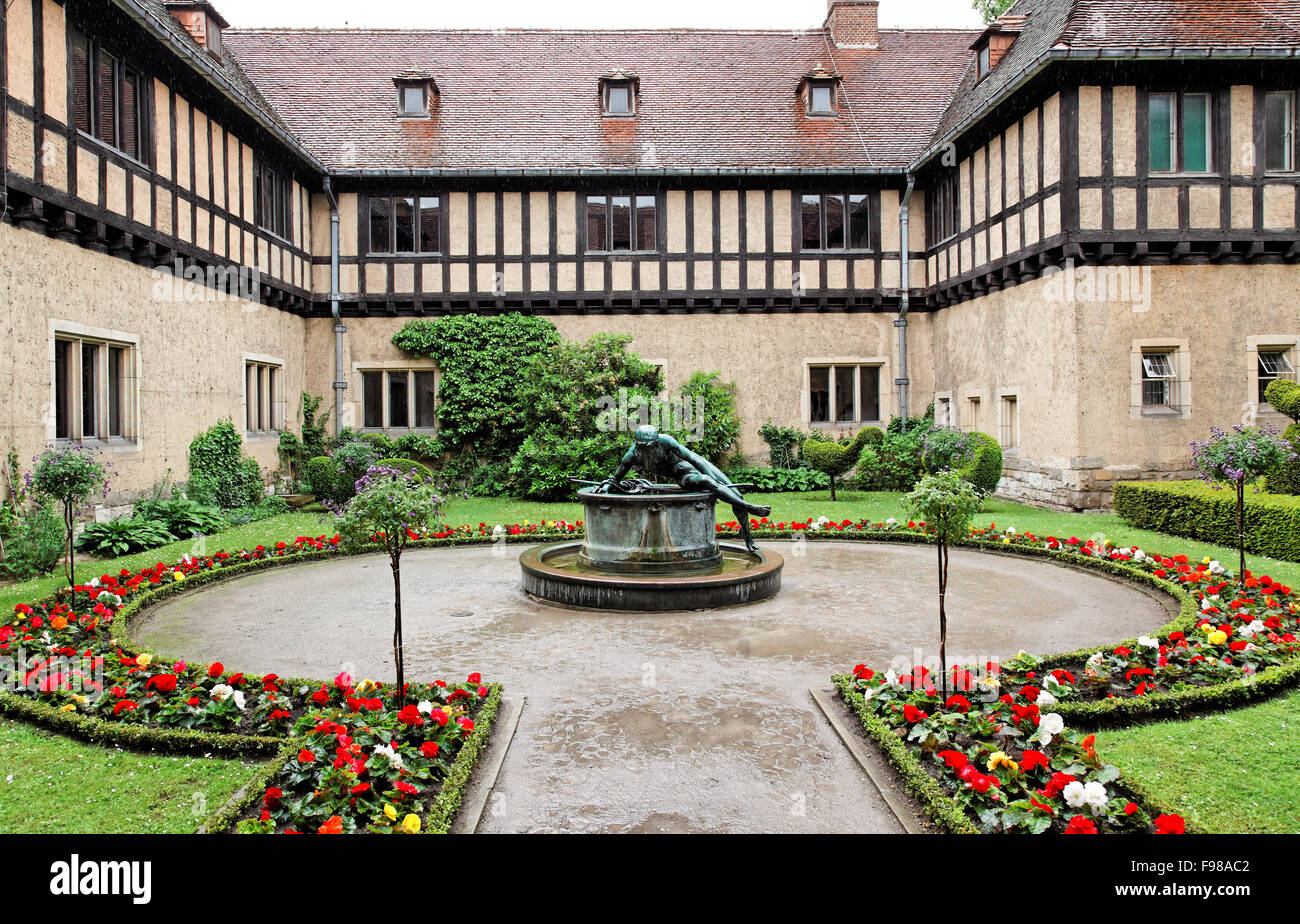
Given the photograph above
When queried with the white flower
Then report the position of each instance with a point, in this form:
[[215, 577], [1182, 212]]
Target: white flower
[[1094, 661], [1050, 681], [1147, 641], [1252, 629], [221, 692], [1011, 531], [394, 758], [424, 706], [94, 582], [1073, 793], [1095, 795], [1216, 568], [891, 680], [1139, 555], [891, 522], [1045, 699], [1049, 725], [238, 696]]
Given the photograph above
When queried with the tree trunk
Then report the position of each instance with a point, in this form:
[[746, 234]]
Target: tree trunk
[[832, 489], [396, 559], [71, 564], [942, 547], [1241, 530]]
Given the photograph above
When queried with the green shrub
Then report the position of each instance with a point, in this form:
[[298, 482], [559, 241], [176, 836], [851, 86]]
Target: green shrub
[[35, 543], [833, 458], [896, 464], [220, 474], [350, 462], [781, 479], [383, 445], [181, 516], [322, 477], [267, 507], [123, 536], [720, 429], [873, 436], [1197, 511], [1285, 479], [984, 471], [416, 470], [543, 464], [784, 445], [1285, 398], [420, 446], [313, 428], [490, 479]]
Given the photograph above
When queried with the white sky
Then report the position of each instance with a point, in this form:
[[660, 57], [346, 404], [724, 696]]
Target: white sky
[[588, 14]]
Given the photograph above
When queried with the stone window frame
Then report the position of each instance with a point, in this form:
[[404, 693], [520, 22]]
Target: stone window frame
[[943, 402], [130, 441], [1289, 343], [1179, 349], [387, 367], [971, 397], [1011, 445], [882, 363], [276, 404]]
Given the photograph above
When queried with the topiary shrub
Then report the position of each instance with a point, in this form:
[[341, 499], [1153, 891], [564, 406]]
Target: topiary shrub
[[220, 474], [833, 458], [984, 470], [383, 445], [322, 476], [873, 436], [1285, 398], [1196, 511], [417, 471]]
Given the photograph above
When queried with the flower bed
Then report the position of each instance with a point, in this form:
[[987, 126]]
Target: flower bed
[[64, 666]]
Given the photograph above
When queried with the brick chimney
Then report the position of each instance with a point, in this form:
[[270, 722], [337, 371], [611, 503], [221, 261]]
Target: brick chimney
[[201, 21], [853, 23]]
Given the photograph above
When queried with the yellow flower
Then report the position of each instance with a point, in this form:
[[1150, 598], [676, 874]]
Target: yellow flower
[[68, 707], [366, 686], [1217, 637], [79, 698], [411, 824], [143, 660], [999, 759], [178, 575], [390, 812]]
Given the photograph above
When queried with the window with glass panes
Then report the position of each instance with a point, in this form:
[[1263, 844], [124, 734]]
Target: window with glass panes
[[405, 224], [110, 99], [621, 223], [1279, 131], [836, 221], [1181, 132], [844, 394], [273, 200], [399, 399], [94, 390], [1009, 422], [1159, 379], [1274, 363]]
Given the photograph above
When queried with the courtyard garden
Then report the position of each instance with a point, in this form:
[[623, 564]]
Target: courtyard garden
[[1117, 733]]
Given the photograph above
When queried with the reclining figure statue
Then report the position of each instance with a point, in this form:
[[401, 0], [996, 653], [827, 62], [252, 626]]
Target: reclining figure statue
[[658, 455]]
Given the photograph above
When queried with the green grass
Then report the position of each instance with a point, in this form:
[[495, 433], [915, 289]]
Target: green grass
[[1235, 772], [50, 784], [850, 505]]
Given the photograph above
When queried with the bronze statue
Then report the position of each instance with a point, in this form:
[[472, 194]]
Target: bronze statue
[[658, 455]]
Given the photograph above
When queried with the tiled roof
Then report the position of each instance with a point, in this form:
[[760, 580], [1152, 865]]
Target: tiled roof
[[513, 100]]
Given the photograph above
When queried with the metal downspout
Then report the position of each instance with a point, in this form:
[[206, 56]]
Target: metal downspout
[[904, 302], [340, 384]]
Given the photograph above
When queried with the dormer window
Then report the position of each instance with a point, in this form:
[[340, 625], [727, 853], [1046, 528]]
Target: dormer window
[[985, 60], [618, 92], [415, 89], [994, 43], [819, 91]]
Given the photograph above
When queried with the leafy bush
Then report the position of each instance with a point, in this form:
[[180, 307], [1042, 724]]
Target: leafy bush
[[421, 447], [1197, 511], [313, 428], [784, 445], [873, 436], [267, 507], [220, 474], [181, 516], [383, 445], [721, 426], [490, 479], [123, 536], [289, 451], [417, 471], [322, 477], [543, 464], [984, 469], [69, 476], [833, 458], [781, 479], [1285, 398], [894, 465], [945, 448], [35, 543], [351, 460]]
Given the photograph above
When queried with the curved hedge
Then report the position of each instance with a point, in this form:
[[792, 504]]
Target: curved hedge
[[1197, 511], [984, 470]]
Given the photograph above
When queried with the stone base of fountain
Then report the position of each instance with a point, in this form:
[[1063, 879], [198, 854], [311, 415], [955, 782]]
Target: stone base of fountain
[[652, 551]]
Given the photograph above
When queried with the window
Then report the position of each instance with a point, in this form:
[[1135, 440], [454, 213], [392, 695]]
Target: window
[[1159, 380], [110, 98], [821, 98], [836, 222], [618, 96], [1009, 422], [412, 100], [943, 208], [262, 385], [1274, 364], [973, 407], [273, 199], [943, 412], [94, 396], [399, 399], [405, 224], [844, 394], [1180, 132], [621, 223], [985, 59], [1279, 132]]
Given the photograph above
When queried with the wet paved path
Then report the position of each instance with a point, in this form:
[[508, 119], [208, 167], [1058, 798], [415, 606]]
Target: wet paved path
[[656, 722]]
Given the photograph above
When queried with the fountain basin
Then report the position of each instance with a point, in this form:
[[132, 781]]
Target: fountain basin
[[669, 533], [560, 573]]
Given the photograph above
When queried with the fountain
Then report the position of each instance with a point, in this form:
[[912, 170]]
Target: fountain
[[651, 546]]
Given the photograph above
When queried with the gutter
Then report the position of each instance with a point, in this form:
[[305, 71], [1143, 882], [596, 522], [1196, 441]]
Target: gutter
[[433, 172], [1063, 53], [904, 302], [340, 383]]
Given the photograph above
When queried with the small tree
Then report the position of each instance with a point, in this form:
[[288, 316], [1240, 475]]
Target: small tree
[[69, 476], [832, 458], [946, 502], [1238, 457], [390, 507]]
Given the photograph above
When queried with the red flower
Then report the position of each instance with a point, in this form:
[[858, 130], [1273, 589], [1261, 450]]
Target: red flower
[[163, 683], [1081, 824], [407, 788], [1131, 808], [475, 678], [958, 703], [305, 756], [360, 788], [272, 798], [862, 672], [1170, 824], [410, 715], [429, 749], [333, 826], [1032, 759], [912, 714], [124, 705], [216, 669], [466, 726], [954, 759]]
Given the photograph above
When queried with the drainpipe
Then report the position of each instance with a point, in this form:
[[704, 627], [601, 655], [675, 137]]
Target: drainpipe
[[905, 248], [340, 384]]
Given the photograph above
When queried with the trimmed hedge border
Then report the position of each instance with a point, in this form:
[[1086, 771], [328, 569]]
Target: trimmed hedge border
[[1195, 510]]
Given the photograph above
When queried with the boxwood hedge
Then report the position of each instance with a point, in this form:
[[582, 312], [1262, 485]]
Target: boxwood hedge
[[1197, 511]]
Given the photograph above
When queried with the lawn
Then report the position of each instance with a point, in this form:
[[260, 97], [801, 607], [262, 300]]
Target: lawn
[[1231, 772], [57, 785]]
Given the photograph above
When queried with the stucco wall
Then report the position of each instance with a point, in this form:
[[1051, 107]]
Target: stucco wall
[[191, 353]]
